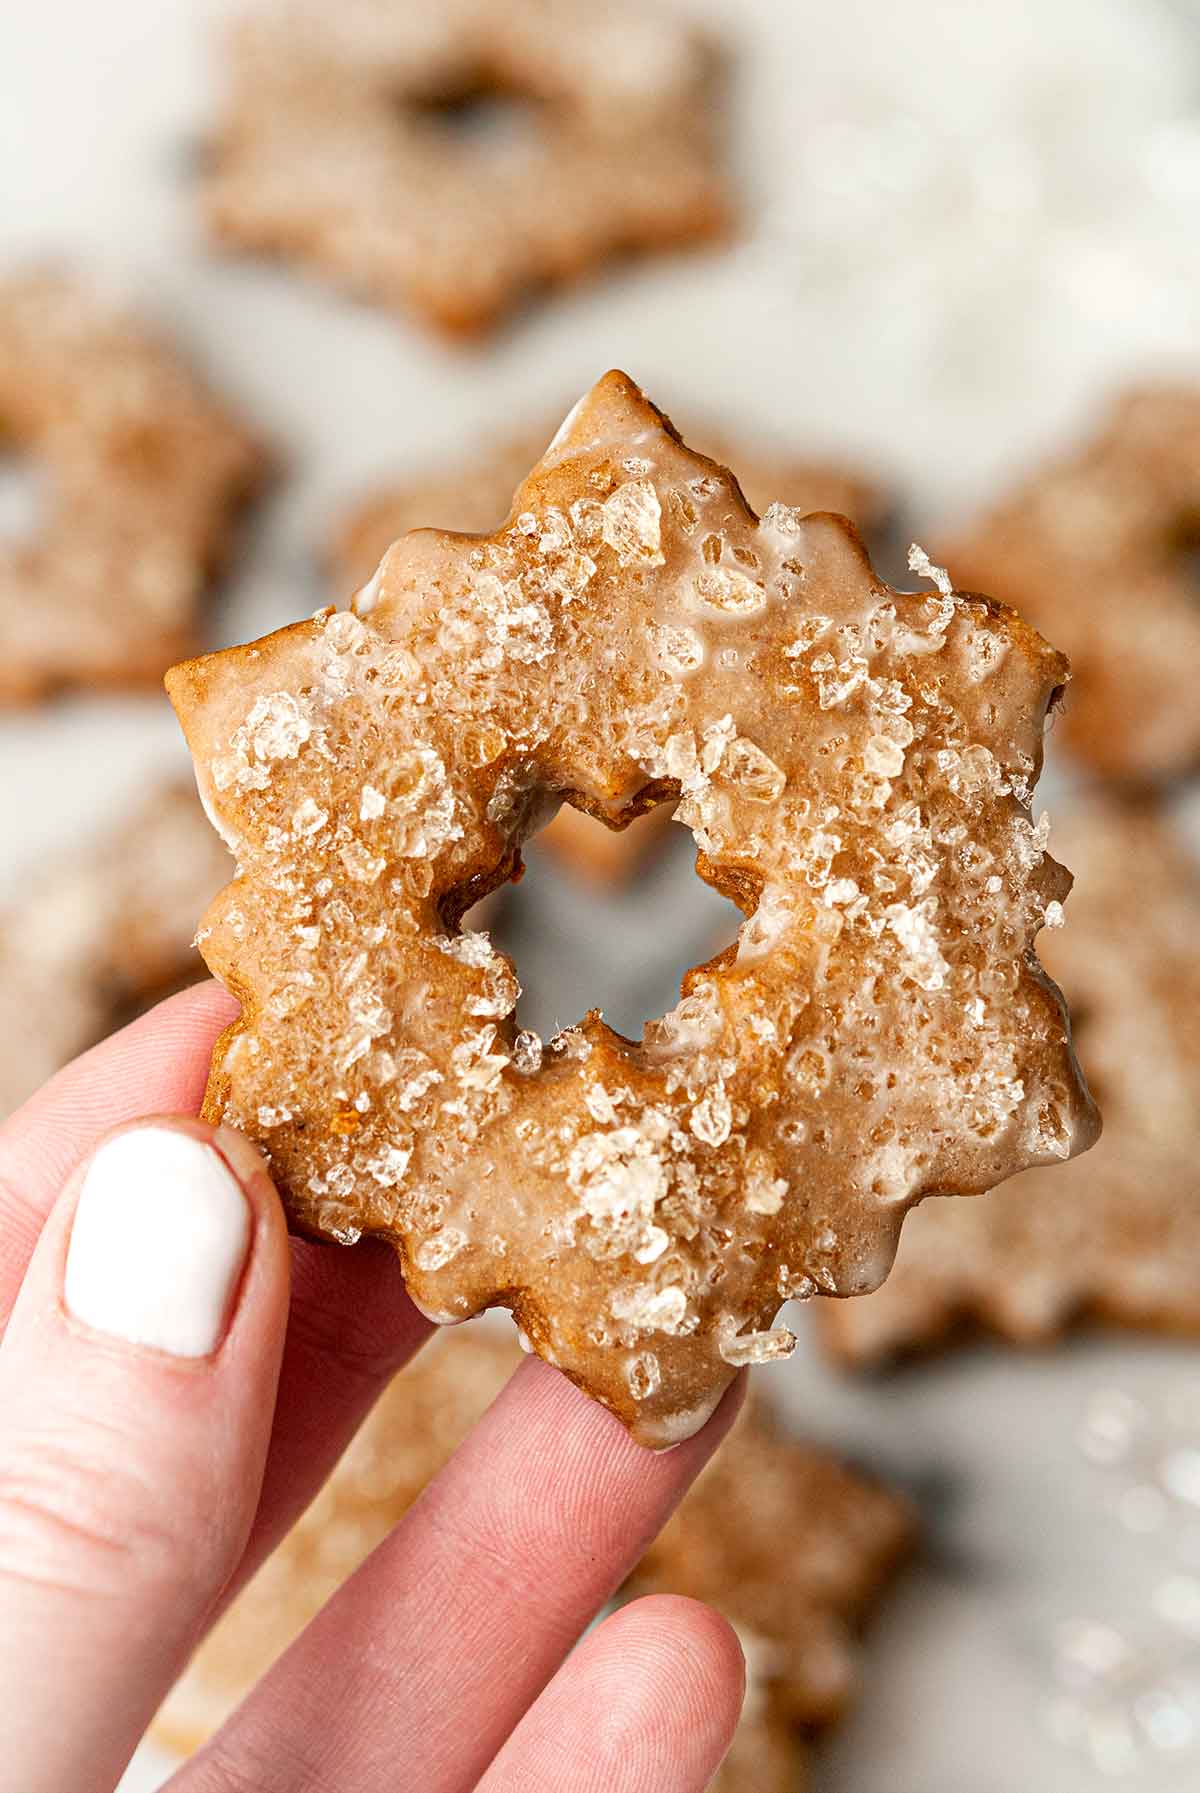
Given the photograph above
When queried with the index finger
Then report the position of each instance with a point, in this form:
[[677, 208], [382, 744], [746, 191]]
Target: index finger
[[424, 1662]]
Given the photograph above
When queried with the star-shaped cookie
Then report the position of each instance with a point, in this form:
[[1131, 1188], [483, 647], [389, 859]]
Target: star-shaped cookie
[[453, 160], [856, 765], [1098, 547], [144, 475]]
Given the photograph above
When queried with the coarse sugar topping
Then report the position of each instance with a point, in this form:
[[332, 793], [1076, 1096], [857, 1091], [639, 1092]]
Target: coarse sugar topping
[[633, 634]]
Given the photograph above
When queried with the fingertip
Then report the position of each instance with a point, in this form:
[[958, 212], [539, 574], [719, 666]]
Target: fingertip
[[159, 1063], [545, 1389], [578, 1468], [242, 1156], [247, 1164], [164, 1052], [648, 1703], [672, 1676], [692, 1654]]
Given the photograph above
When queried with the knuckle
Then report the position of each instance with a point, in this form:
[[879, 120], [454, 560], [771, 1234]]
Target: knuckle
[[253, 1755], [81, 1516]]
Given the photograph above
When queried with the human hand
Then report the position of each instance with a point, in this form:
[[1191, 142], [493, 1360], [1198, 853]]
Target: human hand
[[176, 1380]]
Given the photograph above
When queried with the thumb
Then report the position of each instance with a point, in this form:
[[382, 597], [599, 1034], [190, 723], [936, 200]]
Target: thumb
[[137, 1387]]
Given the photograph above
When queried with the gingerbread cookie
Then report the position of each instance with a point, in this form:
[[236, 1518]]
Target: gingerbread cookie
[[765, 1756], [1115, 1238], [146, 473], [1099, 548], [477, 497], [452, 161], [812, 1550], [856, 765], [96, 936]]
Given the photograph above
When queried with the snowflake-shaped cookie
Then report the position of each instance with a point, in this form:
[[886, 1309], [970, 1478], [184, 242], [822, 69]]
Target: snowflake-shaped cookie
[[856, 766]]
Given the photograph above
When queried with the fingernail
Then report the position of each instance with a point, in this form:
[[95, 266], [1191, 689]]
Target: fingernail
[[158, 1243]]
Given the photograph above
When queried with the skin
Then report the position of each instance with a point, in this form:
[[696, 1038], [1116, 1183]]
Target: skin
[[139, 1491]]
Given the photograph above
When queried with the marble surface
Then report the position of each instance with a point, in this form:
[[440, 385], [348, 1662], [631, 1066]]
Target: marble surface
[[963, 224]]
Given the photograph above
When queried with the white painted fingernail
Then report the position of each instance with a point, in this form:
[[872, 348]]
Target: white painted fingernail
[[158, 1244]]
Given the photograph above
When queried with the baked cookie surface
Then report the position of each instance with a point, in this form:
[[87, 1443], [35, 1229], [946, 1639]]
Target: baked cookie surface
[[1101, 548], [145, 473], [856, 765], [477, 495], [451, 161], [1116, 1237]]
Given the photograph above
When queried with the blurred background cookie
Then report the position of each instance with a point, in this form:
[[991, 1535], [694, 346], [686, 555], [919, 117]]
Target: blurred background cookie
[[452, 161], [144, 472], [1116, 1237], [1100, 548], [99, 934], [414, 1428]]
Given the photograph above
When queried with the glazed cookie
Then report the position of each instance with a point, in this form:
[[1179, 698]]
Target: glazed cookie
[[477, 496], [856, 765], [1100, 549], [450, 161], [1115, 1238], [145, 472], [845, 1535], [96, 936]]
